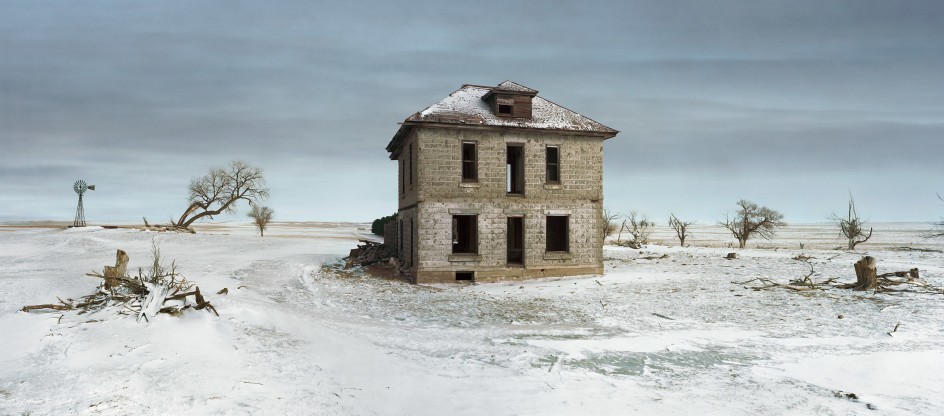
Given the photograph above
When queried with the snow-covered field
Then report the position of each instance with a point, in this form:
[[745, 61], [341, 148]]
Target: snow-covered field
[[668, 335]]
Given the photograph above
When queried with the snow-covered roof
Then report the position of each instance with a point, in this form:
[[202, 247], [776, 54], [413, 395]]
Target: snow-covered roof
[[514, 86], [466, 107]]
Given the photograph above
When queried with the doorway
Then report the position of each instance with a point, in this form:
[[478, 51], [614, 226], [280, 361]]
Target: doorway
[[516, 241]]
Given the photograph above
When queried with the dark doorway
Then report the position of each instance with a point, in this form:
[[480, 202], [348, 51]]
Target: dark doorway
[[516, 240]]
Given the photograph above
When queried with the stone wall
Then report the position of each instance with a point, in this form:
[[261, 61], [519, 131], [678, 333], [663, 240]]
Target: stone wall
[[440, 193]]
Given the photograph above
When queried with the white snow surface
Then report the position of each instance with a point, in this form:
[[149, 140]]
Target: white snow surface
[[650, 336]]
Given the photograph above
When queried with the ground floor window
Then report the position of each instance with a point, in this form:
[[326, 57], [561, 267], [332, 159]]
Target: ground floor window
[[558, 233], [465, 234]]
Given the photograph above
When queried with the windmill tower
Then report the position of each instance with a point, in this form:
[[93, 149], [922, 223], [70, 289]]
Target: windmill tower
[[80, 187]]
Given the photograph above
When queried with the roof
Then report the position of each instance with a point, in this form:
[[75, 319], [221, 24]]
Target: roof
[[466, 107], [514, 86]]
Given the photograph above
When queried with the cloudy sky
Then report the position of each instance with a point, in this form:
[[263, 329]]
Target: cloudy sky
[[792, 104]]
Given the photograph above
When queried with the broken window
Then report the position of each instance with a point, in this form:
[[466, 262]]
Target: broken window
[[469, 164], [558, 233], [515, 240], [552, 165], [505, 105], [410, 165], [465, 234], [515, 170], [470, 276]]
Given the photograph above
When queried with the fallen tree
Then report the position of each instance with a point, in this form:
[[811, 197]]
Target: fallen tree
[[161, 290], [867, 278], [219, 190]]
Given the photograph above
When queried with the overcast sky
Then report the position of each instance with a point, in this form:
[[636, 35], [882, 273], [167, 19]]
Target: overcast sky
[[792, 104]]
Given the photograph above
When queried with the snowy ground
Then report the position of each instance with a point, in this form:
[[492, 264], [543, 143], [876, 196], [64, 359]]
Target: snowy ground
[[661, 336]]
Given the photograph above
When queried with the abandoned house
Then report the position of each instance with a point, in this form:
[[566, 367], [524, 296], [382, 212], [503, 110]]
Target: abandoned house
[[497, 183]]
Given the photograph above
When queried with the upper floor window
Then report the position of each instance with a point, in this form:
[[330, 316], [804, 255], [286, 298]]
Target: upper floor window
[[552, 165], [469, 162], [411, 163], [505, 106]]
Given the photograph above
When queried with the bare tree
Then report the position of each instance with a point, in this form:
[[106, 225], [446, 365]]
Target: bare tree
[[638, 226], [609, 223], [219, 190], [261, 216], [851, 226], [938, 230], [751, 219], [680, 227]]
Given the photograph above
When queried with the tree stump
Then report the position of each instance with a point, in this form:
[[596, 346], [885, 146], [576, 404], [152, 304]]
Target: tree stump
[[866, 278], [114, 274]]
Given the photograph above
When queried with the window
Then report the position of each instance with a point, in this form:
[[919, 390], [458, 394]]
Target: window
[[469, 164], [410, 165], [558, 233], [402, 178], [470, 276], [515, 164], [552, 165], [465, 234], [505, 105]]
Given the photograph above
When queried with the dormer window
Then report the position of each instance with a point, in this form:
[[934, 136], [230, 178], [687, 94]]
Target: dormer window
[[505, 106], [510, 100]]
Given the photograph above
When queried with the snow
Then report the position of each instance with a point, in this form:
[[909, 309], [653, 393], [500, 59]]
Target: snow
[[661, 336], [465, 106]]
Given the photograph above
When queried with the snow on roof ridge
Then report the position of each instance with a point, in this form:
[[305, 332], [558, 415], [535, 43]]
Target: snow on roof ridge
[[509, 85], [465, 106]]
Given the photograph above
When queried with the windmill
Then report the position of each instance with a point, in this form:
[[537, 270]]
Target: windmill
[[80, 187]]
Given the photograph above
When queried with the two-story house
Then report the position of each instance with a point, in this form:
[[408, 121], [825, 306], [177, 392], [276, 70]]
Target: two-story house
[[497, 183]]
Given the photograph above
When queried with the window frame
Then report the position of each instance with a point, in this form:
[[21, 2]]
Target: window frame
[[547, 165], [473, 245], [547, 234], [515, 176], [504, 102], [411, 165], [474, 162]]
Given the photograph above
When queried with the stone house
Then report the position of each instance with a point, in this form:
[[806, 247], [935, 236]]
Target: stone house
[[497, 183]]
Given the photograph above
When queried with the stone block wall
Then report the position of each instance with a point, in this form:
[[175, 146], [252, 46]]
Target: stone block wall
[[440, 194]]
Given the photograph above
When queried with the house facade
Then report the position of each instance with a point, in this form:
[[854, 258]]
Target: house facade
[[497, 183]]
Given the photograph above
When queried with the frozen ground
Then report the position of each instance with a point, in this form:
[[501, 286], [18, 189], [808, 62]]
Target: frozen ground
[[660, 336]]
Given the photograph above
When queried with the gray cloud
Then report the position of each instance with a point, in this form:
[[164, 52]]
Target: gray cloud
[[705, 93]]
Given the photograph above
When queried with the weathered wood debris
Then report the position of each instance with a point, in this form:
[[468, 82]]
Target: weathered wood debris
[[369, 252], [867, 278], [166, 228], [161, 290]]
